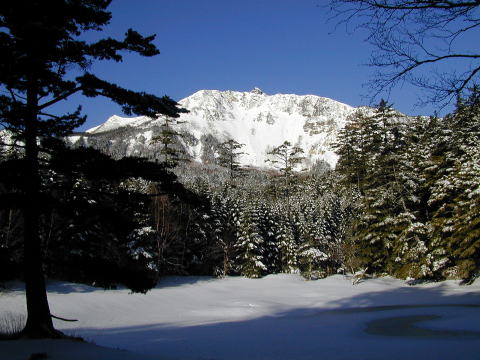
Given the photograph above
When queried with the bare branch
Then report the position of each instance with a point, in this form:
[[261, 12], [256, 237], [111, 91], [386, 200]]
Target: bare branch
[[416, 38], [425, 4]]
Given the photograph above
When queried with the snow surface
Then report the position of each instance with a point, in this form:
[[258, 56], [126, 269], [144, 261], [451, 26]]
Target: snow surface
[[276, 317], [258, 120], [115, 122]]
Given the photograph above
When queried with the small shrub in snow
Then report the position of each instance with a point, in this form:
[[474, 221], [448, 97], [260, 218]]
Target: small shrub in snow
[[11, 324]]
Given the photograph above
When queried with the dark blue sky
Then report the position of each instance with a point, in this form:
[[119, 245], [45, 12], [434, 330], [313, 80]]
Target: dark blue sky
[[280, 46]]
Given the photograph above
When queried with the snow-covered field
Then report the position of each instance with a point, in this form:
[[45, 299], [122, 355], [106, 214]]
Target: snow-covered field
[[276, 317]]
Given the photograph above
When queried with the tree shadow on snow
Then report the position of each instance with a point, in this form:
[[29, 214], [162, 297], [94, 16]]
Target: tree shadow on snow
[[173, 281], [61, 287], [335, 331]]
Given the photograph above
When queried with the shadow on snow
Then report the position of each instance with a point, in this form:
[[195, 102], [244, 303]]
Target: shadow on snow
[[362, 326]]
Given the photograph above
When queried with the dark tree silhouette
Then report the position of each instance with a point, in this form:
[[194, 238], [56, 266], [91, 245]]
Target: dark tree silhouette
[[429, 43], [42, 51], [228, 154], [168, 138], [285, 158]]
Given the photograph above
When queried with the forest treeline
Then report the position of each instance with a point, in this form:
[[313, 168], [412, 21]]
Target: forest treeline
[[404, 200]]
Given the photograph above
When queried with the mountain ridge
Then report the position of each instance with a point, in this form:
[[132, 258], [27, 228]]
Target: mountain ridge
[[256, 119]]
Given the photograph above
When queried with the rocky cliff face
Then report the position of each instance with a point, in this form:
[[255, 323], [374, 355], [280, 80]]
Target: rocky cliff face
[[258, 120]]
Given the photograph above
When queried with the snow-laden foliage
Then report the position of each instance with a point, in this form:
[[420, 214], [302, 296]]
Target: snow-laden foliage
[[255, 228], [419, 182], [403, 200]]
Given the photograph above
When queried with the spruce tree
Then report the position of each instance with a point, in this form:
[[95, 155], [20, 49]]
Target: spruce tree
[[411, 221], [285, 239], [225, 217], [265, 222], [250, 245], [310, 260], [374, 147], [418, 213], [357, 145], [454, 195]]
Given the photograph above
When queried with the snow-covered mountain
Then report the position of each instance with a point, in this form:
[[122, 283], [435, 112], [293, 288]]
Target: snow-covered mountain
[[258, 120]]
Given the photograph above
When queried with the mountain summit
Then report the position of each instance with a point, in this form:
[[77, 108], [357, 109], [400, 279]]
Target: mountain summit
[[258, 120], [256, 90]]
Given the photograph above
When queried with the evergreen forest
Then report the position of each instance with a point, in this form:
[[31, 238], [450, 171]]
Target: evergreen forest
[[403, 200]]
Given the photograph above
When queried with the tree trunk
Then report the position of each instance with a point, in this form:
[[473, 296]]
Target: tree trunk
[[39, 321]]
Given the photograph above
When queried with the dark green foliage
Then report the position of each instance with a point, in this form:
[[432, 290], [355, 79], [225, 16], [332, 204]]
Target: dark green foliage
[[419, 213], [251, 233], [10, 259], [454, 195], [371, 161], [265, 222], [228, 154], [250, 244], [225, 220], [42, 54], [96, 223], [285, 158], [170, 151], [355, 146]]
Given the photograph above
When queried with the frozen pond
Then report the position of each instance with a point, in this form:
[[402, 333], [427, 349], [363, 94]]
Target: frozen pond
[[420, 325], [279, 317]]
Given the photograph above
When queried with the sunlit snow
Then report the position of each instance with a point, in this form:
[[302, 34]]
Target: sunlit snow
[[276, 317], [258, 120]]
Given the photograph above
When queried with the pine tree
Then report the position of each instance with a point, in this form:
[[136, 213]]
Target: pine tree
[[40, 46], [285, 158], [170, 151], [102, 220], [228, 154]]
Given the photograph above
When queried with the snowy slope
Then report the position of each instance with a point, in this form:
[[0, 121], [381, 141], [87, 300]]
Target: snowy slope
[[278, 317], [258, 120], [116, 122]]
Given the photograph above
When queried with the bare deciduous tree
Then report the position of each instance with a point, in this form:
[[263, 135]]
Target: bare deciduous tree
[[428, 43]]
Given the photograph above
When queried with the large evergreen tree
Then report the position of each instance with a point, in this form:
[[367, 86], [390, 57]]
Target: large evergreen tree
[[454, 195], [170, 150], [418, 213], [40, 42], [228, 155], [285, 157]]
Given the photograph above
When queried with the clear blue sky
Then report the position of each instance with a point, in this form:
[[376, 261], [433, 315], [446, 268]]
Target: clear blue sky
[[280, 46]]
